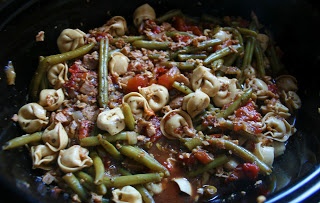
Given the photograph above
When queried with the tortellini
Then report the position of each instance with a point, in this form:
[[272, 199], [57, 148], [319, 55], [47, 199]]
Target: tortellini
[[127, 194], [118, 64], [274, 105], [139, 105], [277, 127], [260, 88], [227, 92], [204, 80], [117, 26], [51, 99], [55, 137], [74, 159], [177, 124], [43, 157], [195, 102], [32, 117], [287, 83], [70, 39], [291, 100], [156, 95], [264, 153], [142, 13], [58, 75], [111, 121]]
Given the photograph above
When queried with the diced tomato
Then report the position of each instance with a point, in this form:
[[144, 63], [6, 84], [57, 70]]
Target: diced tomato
[[169, 77], [203, 156], [135, 82], [244, 171], [156, 123], [180, 24], [273, 88], [84, 129], [248, 113]]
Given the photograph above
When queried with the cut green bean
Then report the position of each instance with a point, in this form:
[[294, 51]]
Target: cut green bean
[[98, 167], [240, 101], [45, 62], [259, 59], [88, 182], [127, 39], [201, 46], [175, 33], [136, 179], [181, 87], [247, 31], [192, 143], [22, 140], [128, 116], [249, 48], [110, 148], [186, 66], [216, 162], [151, 44], [143, 157], [103, 73], [89, 141], [185, 57], [221, 53], [76, 186], [236, 34], [146, 196], [241, 152], [129, 136]]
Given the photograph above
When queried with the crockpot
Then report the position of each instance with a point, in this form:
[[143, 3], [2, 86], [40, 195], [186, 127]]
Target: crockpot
[[292, 22]]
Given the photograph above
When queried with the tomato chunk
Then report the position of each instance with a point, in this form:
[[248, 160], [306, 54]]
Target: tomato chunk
[[135, 82]]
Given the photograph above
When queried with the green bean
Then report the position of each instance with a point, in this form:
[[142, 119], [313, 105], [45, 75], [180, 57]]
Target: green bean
[[88, 182], [192, 143], [181, 65], [151, 44], [229, 125], [250, 44], [143, 157], [98, 167], [175, 33], [103, 73], [22, 140], [127, 39], [201, 46], [241, 152], [184, 57], [240, 101], [146, 196], [129, 136], [136, 179], [274, 60], [45, 62], [168, 15], [259, 58], [221, 53], [181, 87], [89, 141], [246, 31], [110, 148], [75, 185], [231, 58], [128, 116], [216, 162], [236, 34]]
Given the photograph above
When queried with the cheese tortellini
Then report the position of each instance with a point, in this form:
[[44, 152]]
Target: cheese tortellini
[[74, 159], [111, 121], [156, 95], [204, 80], [70, 39], [32, 117], [277, 127], [227, 92], [139, 105], [43, 157], [264, 153], [126, 194], [142, 13], [57, 75], [259, 87], [195, 102], [118, 64], [117, 26], [177, 124], [55, 137], [51, 99]]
